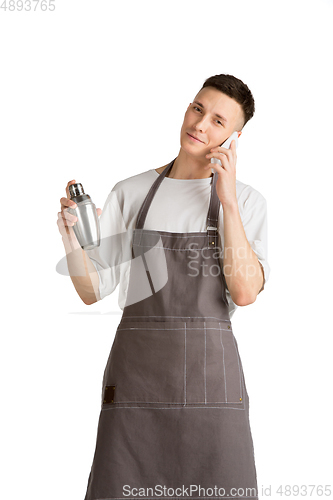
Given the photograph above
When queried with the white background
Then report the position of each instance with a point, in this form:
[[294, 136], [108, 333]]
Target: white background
[[97, 91]]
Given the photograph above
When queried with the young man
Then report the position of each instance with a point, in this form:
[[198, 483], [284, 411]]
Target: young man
[[175, 409]]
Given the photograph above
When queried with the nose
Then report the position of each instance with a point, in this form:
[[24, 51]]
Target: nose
[[201, 124]]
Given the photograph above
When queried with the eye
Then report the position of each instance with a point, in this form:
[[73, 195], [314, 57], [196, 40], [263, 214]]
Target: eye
[[218, 121]]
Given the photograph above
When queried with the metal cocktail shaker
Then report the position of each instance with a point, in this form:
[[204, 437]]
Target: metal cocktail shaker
[[86, 228]]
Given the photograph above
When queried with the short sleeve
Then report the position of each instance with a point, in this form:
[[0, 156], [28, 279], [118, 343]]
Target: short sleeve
[[254, 218], [109, 255]]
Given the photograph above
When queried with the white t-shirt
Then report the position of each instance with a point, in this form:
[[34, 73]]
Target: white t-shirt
[[180, 206]]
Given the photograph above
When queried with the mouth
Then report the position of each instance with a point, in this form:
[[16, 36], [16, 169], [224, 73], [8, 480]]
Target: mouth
[[194, 138]]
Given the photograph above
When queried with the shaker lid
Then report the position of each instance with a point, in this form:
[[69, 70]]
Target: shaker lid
[[76, 189]]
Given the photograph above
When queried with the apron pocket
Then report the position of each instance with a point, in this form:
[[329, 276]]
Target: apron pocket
[[213, 368], [223, 368], [182, 363], [147, 364]]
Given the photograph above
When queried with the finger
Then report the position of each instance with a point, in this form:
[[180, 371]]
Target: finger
[[66, 203], [221, 152], [218, 168], [99, 211], [216, 154], [233, 148], [226, 151], [63, 228], [60, 224], [221, 157], [68, 217]]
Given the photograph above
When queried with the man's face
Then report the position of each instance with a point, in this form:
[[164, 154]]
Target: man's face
[[201, 121]]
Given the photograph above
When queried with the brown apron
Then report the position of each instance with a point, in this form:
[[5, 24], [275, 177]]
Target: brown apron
[[174, 418]]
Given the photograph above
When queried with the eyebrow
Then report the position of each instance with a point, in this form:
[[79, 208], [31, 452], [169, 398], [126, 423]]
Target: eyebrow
[[219, 116]]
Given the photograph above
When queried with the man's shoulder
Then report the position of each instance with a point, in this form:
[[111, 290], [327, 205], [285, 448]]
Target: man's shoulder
[[248, 194], [131, 191], [135, 181]]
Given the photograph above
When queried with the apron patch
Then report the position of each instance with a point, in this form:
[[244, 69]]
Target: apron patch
[[109, 394]]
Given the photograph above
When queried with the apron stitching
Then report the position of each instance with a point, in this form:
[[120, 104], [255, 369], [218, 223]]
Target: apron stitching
[[239, 371], [187, 407], [171, 234], [165, 316], [225, 380], [205, 375], [185, 369], [178, 249], [197, 248], [146, 328], [175, 403]]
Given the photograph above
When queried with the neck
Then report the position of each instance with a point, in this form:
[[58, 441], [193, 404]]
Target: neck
[[188, 167]]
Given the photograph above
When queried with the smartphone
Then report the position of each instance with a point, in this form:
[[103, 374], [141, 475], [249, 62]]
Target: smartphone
[[225, 144]]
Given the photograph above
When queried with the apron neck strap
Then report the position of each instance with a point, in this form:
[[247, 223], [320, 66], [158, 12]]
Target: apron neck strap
[[214, 205]]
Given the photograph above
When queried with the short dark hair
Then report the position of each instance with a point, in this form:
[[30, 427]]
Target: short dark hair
[[235, 88]]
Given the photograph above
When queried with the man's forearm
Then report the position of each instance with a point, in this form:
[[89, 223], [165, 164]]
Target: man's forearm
[[82, 271], [243, 273]]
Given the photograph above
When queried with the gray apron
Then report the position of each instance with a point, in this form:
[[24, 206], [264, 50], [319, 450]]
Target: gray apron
[[175, 409]]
